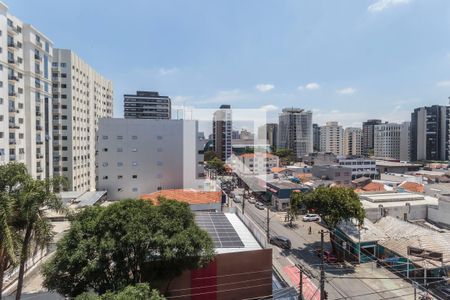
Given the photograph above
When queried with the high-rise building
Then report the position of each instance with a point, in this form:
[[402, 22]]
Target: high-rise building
[[405, 141], [331, 138], [368, 136], [387, 140], [80, 97], [352, 141], [133, 160], [316, 137], [147, 105], [295, 131], [25, 93], [430, 133], [271, 134], [222, 127]]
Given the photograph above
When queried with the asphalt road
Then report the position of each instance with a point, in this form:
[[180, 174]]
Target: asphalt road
[[302, 252]]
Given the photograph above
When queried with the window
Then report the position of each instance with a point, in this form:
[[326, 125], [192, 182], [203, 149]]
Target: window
[[134, 176], [105, 177], [105, 164], [119, 150], [119, 177], [63, 75], [134, 150], [120, 164], [63, 65], [134, 137], [105, 137], [105, 149], [134, 163], [135, 189], [119, 189], [159, 137], [119, 137]]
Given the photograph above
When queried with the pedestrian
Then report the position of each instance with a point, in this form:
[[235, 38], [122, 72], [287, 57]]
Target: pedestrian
[[310, 230]]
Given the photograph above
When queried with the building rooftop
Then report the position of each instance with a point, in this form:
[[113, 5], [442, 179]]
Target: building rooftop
[[387, 163], [277, 169], [390, 199], [374, 187], [412, 187], [190, 197], [228, 232], [368, 232], [252, 155]]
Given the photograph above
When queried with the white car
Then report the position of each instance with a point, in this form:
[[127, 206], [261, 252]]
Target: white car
[[311, 218]]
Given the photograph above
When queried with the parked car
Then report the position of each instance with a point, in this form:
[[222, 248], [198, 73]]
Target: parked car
[[280, 241], [237, 199], [252, 200], [329, 257], [311, 218], [259, 205]]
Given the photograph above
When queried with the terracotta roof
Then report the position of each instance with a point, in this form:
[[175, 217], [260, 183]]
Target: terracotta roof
[[374, 187], [251, 155], [277, 169], [412, 187], [304, 177], [187, 196]]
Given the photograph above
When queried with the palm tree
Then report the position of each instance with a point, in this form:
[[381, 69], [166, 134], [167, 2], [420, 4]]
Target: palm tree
[[37, 232], [12, 177]]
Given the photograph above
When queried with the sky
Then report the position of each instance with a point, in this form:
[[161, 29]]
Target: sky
[[347, 60]]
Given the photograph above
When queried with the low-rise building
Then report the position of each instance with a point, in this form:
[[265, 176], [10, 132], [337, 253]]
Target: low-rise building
[[256, 163], [386, 166], [360, 167], [338, 174]]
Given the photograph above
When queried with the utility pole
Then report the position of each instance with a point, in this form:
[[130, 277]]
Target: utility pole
[[300, 284], [268, 225], [415, 291], [243, 204], [322, 268]]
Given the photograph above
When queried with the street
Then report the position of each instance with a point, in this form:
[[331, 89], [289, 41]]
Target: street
[[338, 284]]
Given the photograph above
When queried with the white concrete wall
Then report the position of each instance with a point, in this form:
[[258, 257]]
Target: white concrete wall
[[414, 212], [441, 213], [153, 150]]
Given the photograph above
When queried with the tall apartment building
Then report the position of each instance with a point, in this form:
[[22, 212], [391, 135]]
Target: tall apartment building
[[269, 133], [352, 141], [222, 127], [331, 138], [387, 141], [405, 141], [80, 97], [147, 105], [296, 131], [25, 83], [430, 133], [368, 136], [133, 160], [316, 137]]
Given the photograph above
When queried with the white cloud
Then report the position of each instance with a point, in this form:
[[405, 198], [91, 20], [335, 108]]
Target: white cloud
[[269, 107], [380, 5], [443, 83], [264, 87], [312, 86], [346, 91], [167, 71]]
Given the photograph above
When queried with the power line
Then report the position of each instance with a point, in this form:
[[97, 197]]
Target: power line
[[220, 291], [221, 284]]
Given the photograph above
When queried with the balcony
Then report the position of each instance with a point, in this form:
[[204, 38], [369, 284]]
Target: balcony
[[12, 125], [37, 85], [39, 44], [39, 170], [11, 46], [13, 78], [37, 57], [39, 142], [12, 94], [38, 127], [11, 61], [39, 155], [13, 110], [38, 114], [12, 157], [13, 30], [12, 141]]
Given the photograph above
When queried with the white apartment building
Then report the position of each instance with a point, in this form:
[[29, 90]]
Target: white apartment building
[[25, 83], [360, 167], [256, 163], [352, 141], [80, 97], [142, 156], [387, 141], [296, 131], [331, 138]]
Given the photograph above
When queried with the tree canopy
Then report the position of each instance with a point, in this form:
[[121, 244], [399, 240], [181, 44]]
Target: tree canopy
[[334, 204], [209, 155], [126, 243], [216, 164], [286, 156], [140, 291]]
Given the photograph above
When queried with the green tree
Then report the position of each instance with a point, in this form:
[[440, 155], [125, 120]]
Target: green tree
[[216, 164], [334, 205], [286, 156], [140, 291], [12, 177], [36, 229], [126, 243], [294, 207], [209, 155]]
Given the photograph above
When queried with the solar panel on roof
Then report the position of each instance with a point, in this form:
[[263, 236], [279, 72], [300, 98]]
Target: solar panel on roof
[[219, 229]]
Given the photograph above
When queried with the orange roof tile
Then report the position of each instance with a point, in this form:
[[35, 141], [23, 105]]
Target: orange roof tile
[[277, 169], [251, 155], [187, 196], [374, 187], [412, 187]]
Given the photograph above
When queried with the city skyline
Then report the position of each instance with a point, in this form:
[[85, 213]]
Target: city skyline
[[346, 62]]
